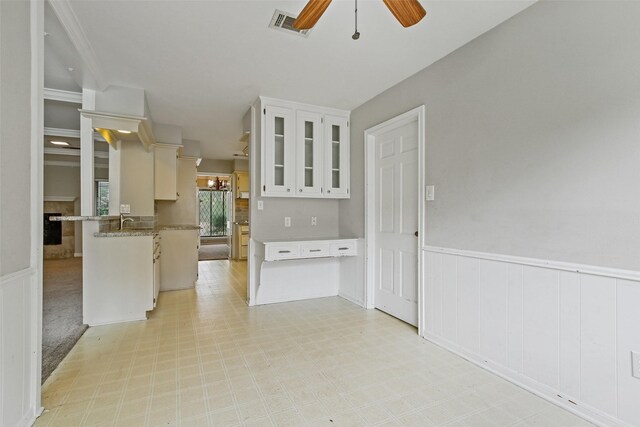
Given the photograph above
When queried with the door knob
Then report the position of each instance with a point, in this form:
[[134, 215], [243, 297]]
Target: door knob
[[416, 234]]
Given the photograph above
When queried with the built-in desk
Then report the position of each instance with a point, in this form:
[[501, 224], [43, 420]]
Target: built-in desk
[[290, 270]]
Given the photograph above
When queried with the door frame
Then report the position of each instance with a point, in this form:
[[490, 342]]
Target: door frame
[[417, 114]]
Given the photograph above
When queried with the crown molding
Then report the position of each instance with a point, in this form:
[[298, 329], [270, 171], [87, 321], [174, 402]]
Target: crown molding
[[69, 21], [62, 96]]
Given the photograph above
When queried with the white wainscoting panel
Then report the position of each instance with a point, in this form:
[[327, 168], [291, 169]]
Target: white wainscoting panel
[[563, 331], [17, 295]]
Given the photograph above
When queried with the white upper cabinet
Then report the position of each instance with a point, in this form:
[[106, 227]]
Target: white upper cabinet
[[336, 157], [277, 152], [304, 151], [165, 172], [309, 153]]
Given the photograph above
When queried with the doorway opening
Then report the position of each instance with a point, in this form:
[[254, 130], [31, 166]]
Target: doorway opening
[[214, 213], [394, 170]]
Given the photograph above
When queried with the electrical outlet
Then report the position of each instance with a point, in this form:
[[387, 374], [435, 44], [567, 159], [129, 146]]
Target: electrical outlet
[[314, 220], [635, 364], [260, 205], [125, 209], [287, 221]]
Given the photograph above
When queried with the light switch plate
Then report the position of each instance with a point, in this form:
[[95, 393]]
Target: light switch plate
[[260, 205], [314, 220], [287, 221], [125, 209], [431, 192], [635, 364]]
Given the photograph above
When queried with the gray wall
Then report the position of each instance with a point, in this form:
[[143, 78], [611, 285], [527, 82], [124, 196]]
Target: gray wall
[[215, 166], [15, 134], [532, 137], [61, 181]]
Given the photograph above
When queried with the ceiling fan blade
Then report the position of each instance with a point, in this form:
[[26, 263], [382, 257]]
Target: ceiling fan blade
[[407, 12], [310, 14]]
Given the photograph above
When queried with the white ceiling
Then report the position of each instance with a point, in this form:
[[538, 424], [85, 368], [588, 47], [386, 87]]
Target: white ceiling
[[202, 63]]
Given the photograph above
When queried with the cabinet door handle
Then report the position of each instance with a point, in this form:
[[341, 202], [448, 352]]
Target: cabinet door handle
[[315, 250], [343, 249], [328, 191], [288, 190], [300, 190], [284, 252]]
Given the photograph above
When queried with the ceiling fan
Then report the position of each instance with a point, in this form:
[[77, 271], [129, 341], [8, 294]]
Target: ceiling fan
[[407, 12]]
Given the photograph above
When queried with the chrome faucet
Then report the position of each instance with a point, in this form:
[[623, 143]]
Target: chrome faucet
[[123, 220]]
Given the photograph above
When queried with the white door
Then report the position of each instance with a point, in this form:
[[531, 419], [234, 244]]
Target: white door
[[396, 222]]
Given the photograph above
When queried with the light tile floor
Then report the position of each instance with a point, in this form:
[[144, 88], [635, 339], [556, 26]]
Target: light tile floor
[[204, 358]]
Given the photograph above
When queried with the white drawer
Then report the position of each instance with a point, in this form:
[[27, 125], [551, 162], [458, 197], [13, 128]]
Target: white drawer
[[314, 250], [344, 248], [282, 251]]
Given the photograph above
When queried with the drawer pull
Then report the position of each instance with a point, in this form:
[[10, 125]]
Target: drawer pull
[[343, 249], [284, 252], [315, 250]]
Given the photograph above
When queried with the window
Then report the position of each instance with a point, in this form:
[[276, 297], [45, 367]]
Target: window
[[102, 197], [213, 212]]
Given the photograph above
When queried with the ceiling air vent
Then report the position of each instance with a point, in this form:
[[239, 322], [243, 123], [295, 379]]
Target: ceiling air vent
[[284, 21]]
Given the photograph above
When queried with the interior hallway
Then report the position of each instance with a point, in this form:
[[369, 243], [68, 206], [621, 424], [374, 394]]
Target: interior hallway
[[61, 310], [205, 358]]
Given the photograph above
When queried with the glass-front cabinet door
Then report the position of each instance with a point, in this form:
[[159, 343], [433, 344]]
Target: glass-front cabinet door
[[309, 153], [277, 172], [336, 157]]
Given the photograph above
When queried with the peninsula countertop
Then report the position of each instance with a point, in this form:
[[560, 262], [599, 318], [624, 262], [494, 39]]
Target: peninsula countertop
[[137, 232]]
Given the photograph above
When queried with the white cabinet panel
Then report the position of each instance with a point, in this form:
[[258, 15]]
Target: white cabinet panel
[[314, 250], [336, 159], [309, 153], [344, 248], [278, 152], [165, 172], [304, 150], [276, 252], [179, 266]]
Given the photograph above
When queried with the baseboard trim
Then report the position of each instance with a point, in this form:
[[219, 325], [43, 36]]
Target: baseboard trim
[[113, 322], [553, 396], [77, 255], [536, 262], [351, 299]]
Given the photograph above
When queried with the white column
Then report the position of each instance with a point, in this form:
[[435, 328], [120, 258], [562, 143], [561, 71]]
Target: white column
[[87, 182]]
